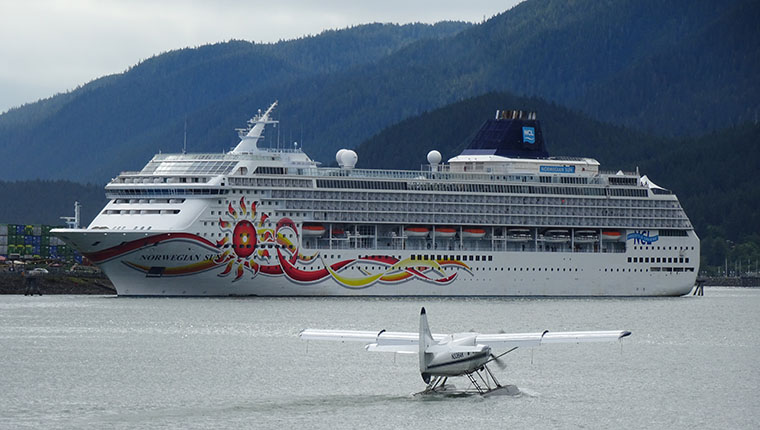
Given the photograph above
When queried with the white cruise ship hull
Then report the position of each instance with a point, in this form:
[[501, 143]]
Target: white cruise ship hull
[[182, 264]]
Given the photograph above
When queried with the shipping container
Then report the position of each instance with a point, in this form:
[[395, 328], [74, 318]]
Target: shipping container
[[4, 240], [37, 230], [20, 229], [28, 249], [4, 250], [29, 230], [3, 229]]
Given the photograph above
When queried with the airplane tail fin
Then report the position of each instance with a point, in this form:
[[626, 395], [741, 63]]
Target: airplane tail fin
[[426, 339]]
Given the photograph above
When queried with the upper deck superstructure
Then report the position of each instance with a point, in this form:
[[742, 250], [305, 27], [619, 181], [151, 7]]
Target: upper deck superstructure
[[502, 199]]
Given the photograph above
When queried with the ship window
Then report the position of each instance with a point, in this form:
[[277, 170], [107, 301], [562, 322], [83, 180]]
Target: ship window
[[629, 259], [687, 259]]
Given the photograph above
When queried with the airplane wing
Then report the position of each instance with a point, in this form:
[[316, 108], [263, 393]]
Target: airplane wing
[[511, 340], [408, 343], [376, 341]]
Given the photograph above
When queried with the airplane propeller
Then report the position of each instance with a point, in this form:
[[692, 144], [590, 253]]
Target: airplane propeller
[[496, 359], [499, 362]]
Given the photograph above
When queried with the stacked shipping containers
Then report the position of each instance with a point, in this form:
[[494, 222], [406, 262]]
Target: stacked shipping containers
[[34, 241]]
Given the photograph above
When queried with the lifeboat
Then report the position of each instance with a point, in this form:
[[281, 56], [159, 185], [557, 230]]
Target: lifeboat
[[473, 233], [416, 231], [518, 235], [338, 232], [313, 230], [444, 232], [611, 235], [585, 236], [556, 236]]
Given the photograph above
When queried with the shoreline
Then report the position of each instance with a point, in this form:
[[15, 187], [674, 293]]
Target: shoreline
[[58, 283]]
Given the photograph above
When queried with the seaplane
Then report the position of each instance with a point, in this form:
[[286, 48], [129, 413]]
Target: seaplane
[[442, 356]]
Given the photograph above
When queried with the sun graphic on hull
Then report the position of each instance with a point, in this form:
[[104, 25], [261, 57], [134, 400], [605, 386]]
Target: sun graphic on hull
[[250, 242], [253, 242]]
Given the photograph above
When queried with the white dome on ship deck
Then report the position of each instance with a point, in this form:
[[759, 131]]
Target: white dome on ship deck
[[349, 159], [339, 156], [434, 157]]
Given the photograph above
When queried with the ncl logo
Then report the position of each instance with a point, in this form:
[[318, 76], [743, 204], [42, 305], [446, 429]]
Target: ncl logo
[[529, 135], [642, 237]]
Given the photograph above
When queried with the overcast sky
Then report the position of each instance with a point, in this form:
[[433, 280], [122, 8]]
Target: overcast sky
[[50, 46]]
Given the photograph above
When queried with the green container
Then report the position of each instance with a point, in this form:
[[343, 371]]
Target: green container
[[28, 249]]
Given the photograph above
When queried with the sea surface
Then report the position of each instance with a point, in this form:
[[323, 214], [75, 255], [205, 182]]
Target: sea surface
[[106, 362]]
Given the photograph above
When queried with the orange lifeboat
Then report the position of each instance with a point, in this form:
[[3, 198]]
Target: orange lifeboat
[[416, 231], [313, 230], [473, 233], [444, 232], [611, 235]]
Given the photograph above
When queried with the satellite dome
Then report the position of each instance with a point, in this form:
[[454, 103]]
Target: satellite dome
[[434, 157], [349, 159], [339, 155]]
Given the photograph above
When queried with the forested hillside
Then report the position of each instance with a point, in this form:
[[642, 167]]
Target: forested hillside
[[713, 175], [118, 122], [44, 202], [664, 67]]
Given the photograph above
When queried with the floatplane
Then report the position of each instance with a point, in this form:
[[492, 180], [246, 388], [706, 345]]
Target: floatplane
[[442, 356]]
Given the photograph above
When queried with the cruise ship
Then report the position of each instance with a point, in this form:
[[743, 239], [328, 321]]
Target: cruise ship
[[503, 218]]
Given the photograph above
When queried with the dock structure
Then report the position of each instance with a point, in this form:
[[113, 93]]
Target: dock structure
[[32, 283], [699, 287]]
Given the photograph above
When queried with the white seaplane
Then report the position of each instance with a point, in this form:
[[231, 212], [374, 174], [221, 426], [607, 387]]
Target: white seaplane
[[460, 354]]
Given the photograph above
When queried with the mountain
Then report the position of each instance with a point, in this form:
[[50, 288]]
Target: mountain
[[119, 121], [712, 175], [664, 67], [44, 202]]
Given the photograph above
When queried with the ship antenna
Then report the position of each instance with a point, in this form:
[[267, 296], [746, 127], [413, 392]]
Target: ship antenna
[[184, 143]]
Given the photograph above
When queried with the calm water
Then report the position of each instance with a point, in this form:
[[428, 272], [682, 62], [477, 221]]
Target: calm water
[[103, 362]]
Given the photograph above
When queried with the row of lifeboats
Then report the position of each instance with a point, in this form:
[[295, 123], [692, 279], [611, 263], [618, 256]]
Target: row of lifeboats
[[444, 232], [318, 230], [513, 234]]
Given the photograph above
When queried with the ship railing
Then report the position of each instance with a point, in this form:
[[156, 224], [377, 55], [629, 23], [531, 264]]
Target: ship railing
[[395, 174], [617, 173]]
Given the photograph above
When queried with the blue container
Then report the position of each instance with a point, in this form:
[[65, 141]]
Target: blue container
[[20, 229], [54, 249], [28, 240], [78, 258]]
